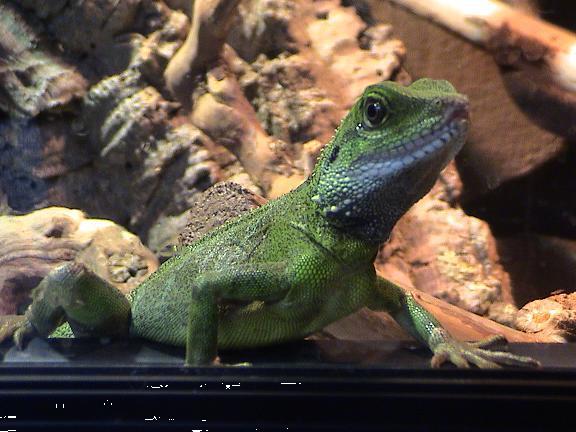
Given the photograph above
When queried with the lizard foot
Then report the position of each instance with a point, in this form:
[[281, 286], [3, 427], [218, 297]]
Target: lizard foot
[[462, 354], [18, 328], [9, 324]]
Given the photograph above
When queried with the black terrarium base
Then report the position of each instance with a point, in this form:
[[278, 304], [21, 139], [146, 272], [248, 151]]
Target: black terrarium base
[[309, 385]]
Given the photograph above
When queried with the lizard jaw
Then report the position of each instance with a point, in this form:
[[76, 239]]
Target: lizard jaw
[[448, 135], [443, 142]]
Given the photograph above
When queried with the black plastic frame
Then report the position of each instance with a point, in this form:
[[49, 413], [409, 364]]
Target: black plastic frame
[[396, 392]]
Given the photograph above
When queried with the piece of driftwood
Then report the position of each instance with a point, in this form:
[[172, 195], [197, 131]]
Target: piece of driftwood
[[511, 34], [369, 325], [31, 79], [467, 326], [211, 21], [31, 245]]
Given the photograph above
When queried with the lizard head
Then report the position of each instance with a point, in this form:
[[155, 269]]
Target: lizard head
[[387, 153]]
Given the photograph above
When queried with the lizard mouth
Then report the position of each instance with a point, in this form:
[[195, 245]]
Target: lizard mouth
[[442, 143], [459, 112], [448, 135]]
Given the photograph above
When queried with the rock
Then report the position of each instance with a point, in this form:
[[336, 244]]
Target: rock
[[44, 9], [211, 21], [550, 318], [298, 96], [568, 301], [34, 152], [214, 207], [287, 101], [32, 79], [263, 28], [124, 145], [31, 245], [145, 168], [323, 56], [337, 39], [226, 116], [446, 253], [354, 53], [86, 26], [503, 313], [128, 148]]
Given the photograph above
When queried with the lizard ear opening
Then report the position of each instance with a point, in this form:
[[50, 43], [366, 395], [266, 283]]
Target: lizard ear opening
[[334, 153]]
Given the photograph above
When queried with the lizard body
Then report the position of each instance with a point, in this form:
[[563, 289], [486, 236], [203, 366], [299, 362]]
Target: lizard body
[[300, 262]]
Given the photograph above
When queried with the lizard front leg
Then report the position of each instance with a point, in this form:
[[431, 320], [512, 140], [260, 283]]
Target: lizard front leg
[[71, 293], [424, 327], [249, 282]]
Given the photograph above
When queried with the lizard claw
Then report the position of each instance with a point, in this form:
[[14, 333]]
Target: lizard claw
[[462, 354], [24, 334]]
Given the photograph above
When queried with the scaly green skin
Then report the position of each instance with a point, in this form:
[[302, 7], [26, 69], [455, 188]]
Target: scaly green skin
[[300, 262]]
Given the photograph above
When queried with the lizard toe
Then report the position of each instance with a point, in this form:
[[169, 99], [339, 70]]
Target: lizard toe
[[475, 357], [491, 342], [24, 334], [445, 353], [510, 359]]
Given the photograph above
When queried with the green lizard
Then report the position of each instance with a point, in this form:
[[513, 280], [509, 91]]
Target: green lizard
[[298, 263]]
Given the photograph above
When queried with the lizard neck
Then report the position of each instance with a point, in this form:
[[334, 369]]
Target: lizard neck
[[372, 226], [299, 211], [348, 245]]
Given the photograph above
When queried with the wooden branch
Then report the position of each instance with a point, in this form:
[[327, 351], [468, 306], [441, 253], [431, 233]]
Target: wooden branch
[[512, 35], [465, 325], [210, 25]]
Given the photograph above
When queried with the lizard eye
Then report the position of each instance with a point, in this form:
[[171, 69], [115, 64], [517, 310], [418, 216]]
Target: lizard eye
[[375, 112]]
